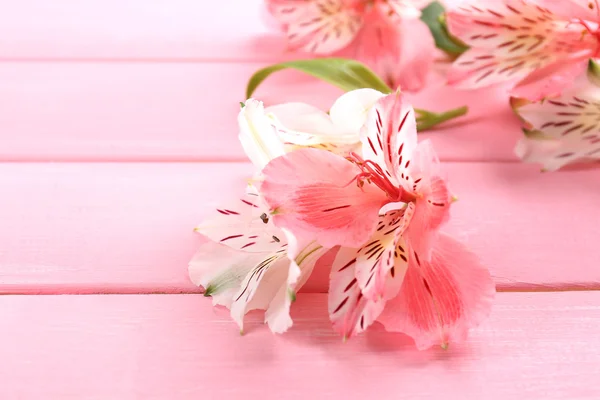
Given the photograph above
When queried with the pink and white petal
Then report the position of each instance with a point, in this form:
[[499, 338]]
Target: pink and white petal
[[510, 40], [382, 262], [549, 81], [573, 9], [317, 26], [243, 225], [288, 11], [258, 135], [221, 270], [410, 69], [260, 285], [390, 134], [509, 27], [350, 110], [442, 299], [575, 114], [565, 129], [349, 311], [314, 193], [478, 68]]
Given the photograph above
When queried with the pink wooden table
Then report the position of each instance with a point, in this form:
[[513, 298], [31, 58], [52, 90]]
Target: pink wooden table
[[117, 129]]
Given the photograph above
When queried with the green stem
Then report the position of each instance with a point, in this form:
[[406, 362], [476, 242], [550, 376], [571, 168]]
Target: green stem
[[427, 119]]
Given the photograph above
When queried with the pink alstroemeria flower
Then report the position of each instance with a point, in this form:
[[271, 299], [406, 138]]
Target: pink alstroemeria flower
[[564, 129], [247, 263], [384, 208], [539, 46], [385, 34]]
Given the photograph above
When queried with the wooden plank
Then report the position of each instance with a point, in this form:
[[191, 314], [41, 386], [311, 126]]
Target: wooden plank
[[127, 227], [138, 29], [534, 346], [187, 112]]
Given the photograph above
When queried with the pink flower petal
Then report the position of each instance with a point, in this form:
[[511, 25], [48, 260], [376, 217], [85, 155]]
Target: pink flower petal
[[550, 81], [400, 52], [317, 26], [442, 299], [433, 198], [416, 58], [349, 311], [314, 193]]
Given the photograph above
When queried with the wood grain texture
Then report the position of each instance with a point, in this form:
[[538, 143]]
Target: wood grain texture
[[534, 346], [127, 227], [137, 29], [188, 112]]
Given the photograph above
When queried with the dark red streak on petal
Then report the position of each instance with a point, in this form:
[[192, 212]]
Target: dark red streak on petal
[[350, 285], [250, 204], [336, 208], [347, 265], [231, 237], [341, 305], [372, 147]]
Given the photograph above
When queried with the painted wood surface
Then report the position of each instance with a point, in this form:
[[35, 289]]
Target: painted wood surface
[[534, 346], [127, 227], [187, 112], [137, 29], [117, 133]]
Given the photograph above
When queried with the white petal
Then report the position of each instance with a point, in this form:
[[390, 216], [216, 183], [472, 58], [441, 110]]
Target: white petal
[[304, 254], [258, 135], [304, 125], [220, 270], [350, 111], [243, 225], [260, 286]]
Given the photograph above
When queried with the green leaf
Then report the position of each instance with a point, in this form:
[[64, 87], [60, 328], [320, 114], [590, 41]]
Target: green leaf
[[343, 73], [433, 16], [594, 72]]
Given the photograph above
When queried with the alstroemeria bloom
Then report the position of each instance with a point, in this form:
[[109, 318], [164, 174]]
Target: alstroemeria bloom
[[540, 46], [384, 208], [246, 263], [563, 129], [266, 133], [385, 34]]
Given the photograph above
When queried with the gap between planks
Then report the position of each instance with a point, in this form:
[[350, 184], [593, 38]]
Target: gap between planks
[[51, 291], [191, 160]]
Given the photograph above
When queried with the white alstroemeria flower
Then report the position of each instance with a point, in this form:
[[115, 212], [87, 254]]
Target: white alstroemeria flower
[[248, 263], [267, 133]]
